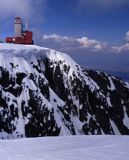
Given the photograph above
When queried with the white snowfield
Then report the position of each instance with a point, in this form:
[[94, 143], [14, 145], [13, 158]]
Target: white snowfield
[[66, 148]]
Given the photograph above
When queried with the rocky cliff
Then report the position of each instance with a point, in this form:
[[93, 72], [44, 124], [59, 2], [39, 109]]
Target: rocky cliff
[[45, 93]]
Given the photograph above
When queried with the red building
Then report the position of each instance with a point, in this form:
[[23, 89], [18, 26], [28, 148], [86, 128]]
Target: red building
[[21, 37]]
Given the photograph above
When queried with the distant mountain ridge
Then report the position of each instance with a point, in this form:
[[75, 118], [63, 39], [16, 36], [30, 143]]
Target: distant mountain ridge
[[45, 93]]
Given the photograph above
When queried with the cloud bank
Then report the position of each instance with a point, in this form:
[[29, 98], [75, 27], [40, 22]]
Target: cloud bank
[[31, 9], [70, 44], [79, 45]]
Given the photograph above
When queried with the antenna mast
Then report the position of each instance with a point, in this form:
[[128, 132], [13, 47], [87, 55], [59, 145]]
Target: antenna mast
[[27, 24]]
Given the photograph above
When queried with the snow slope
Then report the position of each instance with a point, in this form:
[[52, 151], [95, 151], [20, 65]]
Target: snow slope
[[66, 148], [45, 93]]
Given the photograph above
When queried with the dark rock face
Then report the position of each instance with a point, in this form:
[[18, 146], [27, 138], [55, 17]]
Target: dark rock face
[[101, 111], [52, 95]]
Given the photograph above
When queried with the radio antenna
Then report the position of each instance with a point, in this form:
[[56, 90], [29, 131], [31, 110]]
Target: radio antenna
[[27, 24]]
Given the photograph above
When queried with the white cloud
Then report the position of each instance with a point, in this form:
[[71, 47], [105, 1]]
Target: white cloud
[[127, 37], [31, 9], [121, 49], [55, 36], [70, 44], [91, 44], [81, 45], [124, 47]]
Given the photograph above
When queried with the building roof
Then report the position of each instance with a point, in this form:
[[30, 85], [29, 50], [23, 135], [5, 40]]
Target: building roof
[[18, 18]]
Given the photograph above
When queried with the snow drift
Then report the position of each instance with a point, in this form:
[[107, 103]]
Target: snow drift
[[66, 148]]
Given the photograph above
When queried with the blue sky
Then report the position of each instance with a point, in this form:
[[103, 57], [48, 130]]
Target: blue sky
[[102, 20], [69, 17]]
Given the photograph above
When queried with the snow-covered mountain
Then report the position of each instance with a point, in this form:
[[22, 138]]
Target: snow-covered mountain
[[45, 93]]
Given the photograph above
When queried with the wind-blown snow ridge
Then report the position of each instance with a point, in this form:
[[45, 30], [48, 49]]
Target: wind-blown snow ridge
[[19, 47], [44, 92]]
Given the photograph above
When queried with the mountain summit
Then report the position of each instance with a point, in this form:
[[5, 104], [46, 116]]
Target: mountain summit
[[46, 93]]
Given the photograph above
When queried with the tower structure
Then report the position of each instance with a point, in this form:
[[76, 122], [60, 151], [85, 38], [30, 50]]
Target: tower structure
[[21, 36], [18, 26]]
